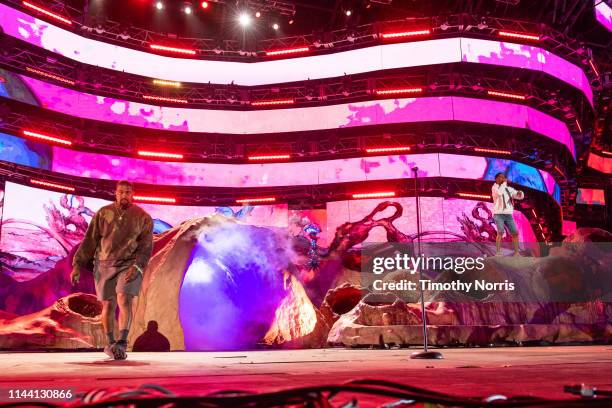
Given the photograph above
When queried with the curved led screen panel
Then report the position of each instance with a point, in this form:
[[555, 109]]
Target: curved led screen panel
[[367, 113], [389, 56], [99, 166], [591, 196], [441, 218], [25, 152], [526, 57], [41, 227], [600, 163], [603, 14]]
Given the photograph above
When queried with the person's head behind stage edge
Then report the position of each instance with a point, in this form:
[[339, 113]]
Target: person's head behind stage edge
[[124, 194], [500, 178]]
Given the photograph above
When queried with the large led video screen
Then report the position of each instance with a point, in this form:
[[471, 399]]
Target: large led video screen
[[41, 229], [108, 167], [382, 57], [346, 115]]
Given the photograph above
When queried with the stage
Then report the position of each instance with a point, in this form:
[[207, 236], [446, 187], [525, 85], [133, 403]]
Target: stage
[[536, 371]]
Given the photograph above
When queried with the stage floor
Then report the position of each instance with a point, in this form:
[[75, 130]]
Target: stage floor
[[538, 371]]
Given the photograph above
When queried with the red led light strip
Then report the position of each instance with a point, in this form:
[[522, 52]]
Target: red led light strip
[[495, 151], [40, 136], [256, 200], [398, 91], [145, 153], [471, 195], [163, 99], [388, 149], [375, 195], [507, 95], [270, 157], [177, 50], [49, 75], [151, 199], [46, 12], [519, 35], [273, 102], [52, 185], [402, 34], [287, 51]]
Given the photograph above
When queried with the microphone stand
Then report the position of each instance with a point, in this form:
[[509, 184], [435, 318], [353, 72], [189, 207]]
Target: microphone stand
[[425, 354]]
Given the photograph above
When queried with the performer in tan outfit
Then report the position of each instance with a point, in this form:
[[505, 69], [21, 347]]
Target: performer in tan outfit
[[119, 240]]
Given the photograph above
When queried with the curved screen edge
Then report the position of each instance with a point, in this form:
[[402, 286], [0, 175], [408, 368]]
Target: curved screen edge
[[389, 56], [365, 113]]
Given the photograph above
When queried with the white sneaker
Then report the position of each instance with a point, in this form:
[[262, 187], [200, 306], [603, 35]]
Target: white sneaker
[[109, 350]]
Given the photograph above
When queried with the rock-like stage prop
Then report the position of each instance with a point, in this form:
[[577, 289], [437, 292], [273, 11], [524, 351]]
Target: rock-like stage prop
[[216, 284]]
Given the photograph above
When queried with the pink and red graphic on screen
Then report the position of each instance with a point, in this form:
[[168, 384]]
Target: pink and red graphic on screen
[[105, 167], [382, 57], [40, 227], [367, 113]]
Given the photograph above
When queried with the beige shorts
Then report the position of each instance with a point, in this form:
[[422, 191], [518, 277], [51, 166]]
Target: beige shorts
[[110, 280]]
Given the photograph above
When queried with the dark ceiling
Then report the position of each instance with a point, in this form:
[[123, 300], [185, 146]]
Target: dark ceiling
[[573, 17]]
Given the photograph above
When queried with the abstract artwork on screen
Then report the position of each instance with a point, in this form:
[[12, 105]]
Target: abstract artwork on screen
[[40, 227], [257, 265]]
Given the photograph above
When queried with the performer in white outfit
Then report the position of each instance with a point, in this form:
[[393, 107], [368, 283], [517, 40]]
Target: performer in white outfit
[[503, 209]]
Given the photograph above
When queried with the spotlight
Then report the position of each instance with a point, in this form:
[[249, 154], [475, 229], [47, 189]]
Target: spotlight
[[348, 13], [204, 4], [159, 5], [244, 19], [258, 14], [187, 8], [275, 26]]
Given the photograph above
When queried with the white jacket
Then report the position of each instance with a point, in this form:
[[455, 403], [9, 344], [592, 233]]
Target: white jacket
[[503, 196]]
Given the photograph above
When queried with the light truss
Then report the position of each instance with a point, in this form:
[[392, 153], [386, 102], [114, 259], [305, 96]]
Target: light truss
[[448, 80], [363, 35]]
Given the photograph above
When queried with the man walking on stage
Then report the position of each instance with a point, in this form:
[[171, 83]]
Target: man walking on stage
[[119, 240], [503, 208]]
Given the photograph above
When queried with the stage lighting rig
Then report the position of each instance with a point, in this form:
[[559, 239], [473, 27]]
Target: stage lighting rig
[[283, 8]]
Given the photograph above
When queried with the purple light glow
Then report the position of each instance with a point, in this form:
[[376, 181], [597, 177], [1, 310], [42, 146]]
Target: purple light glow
[[232, 287]]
